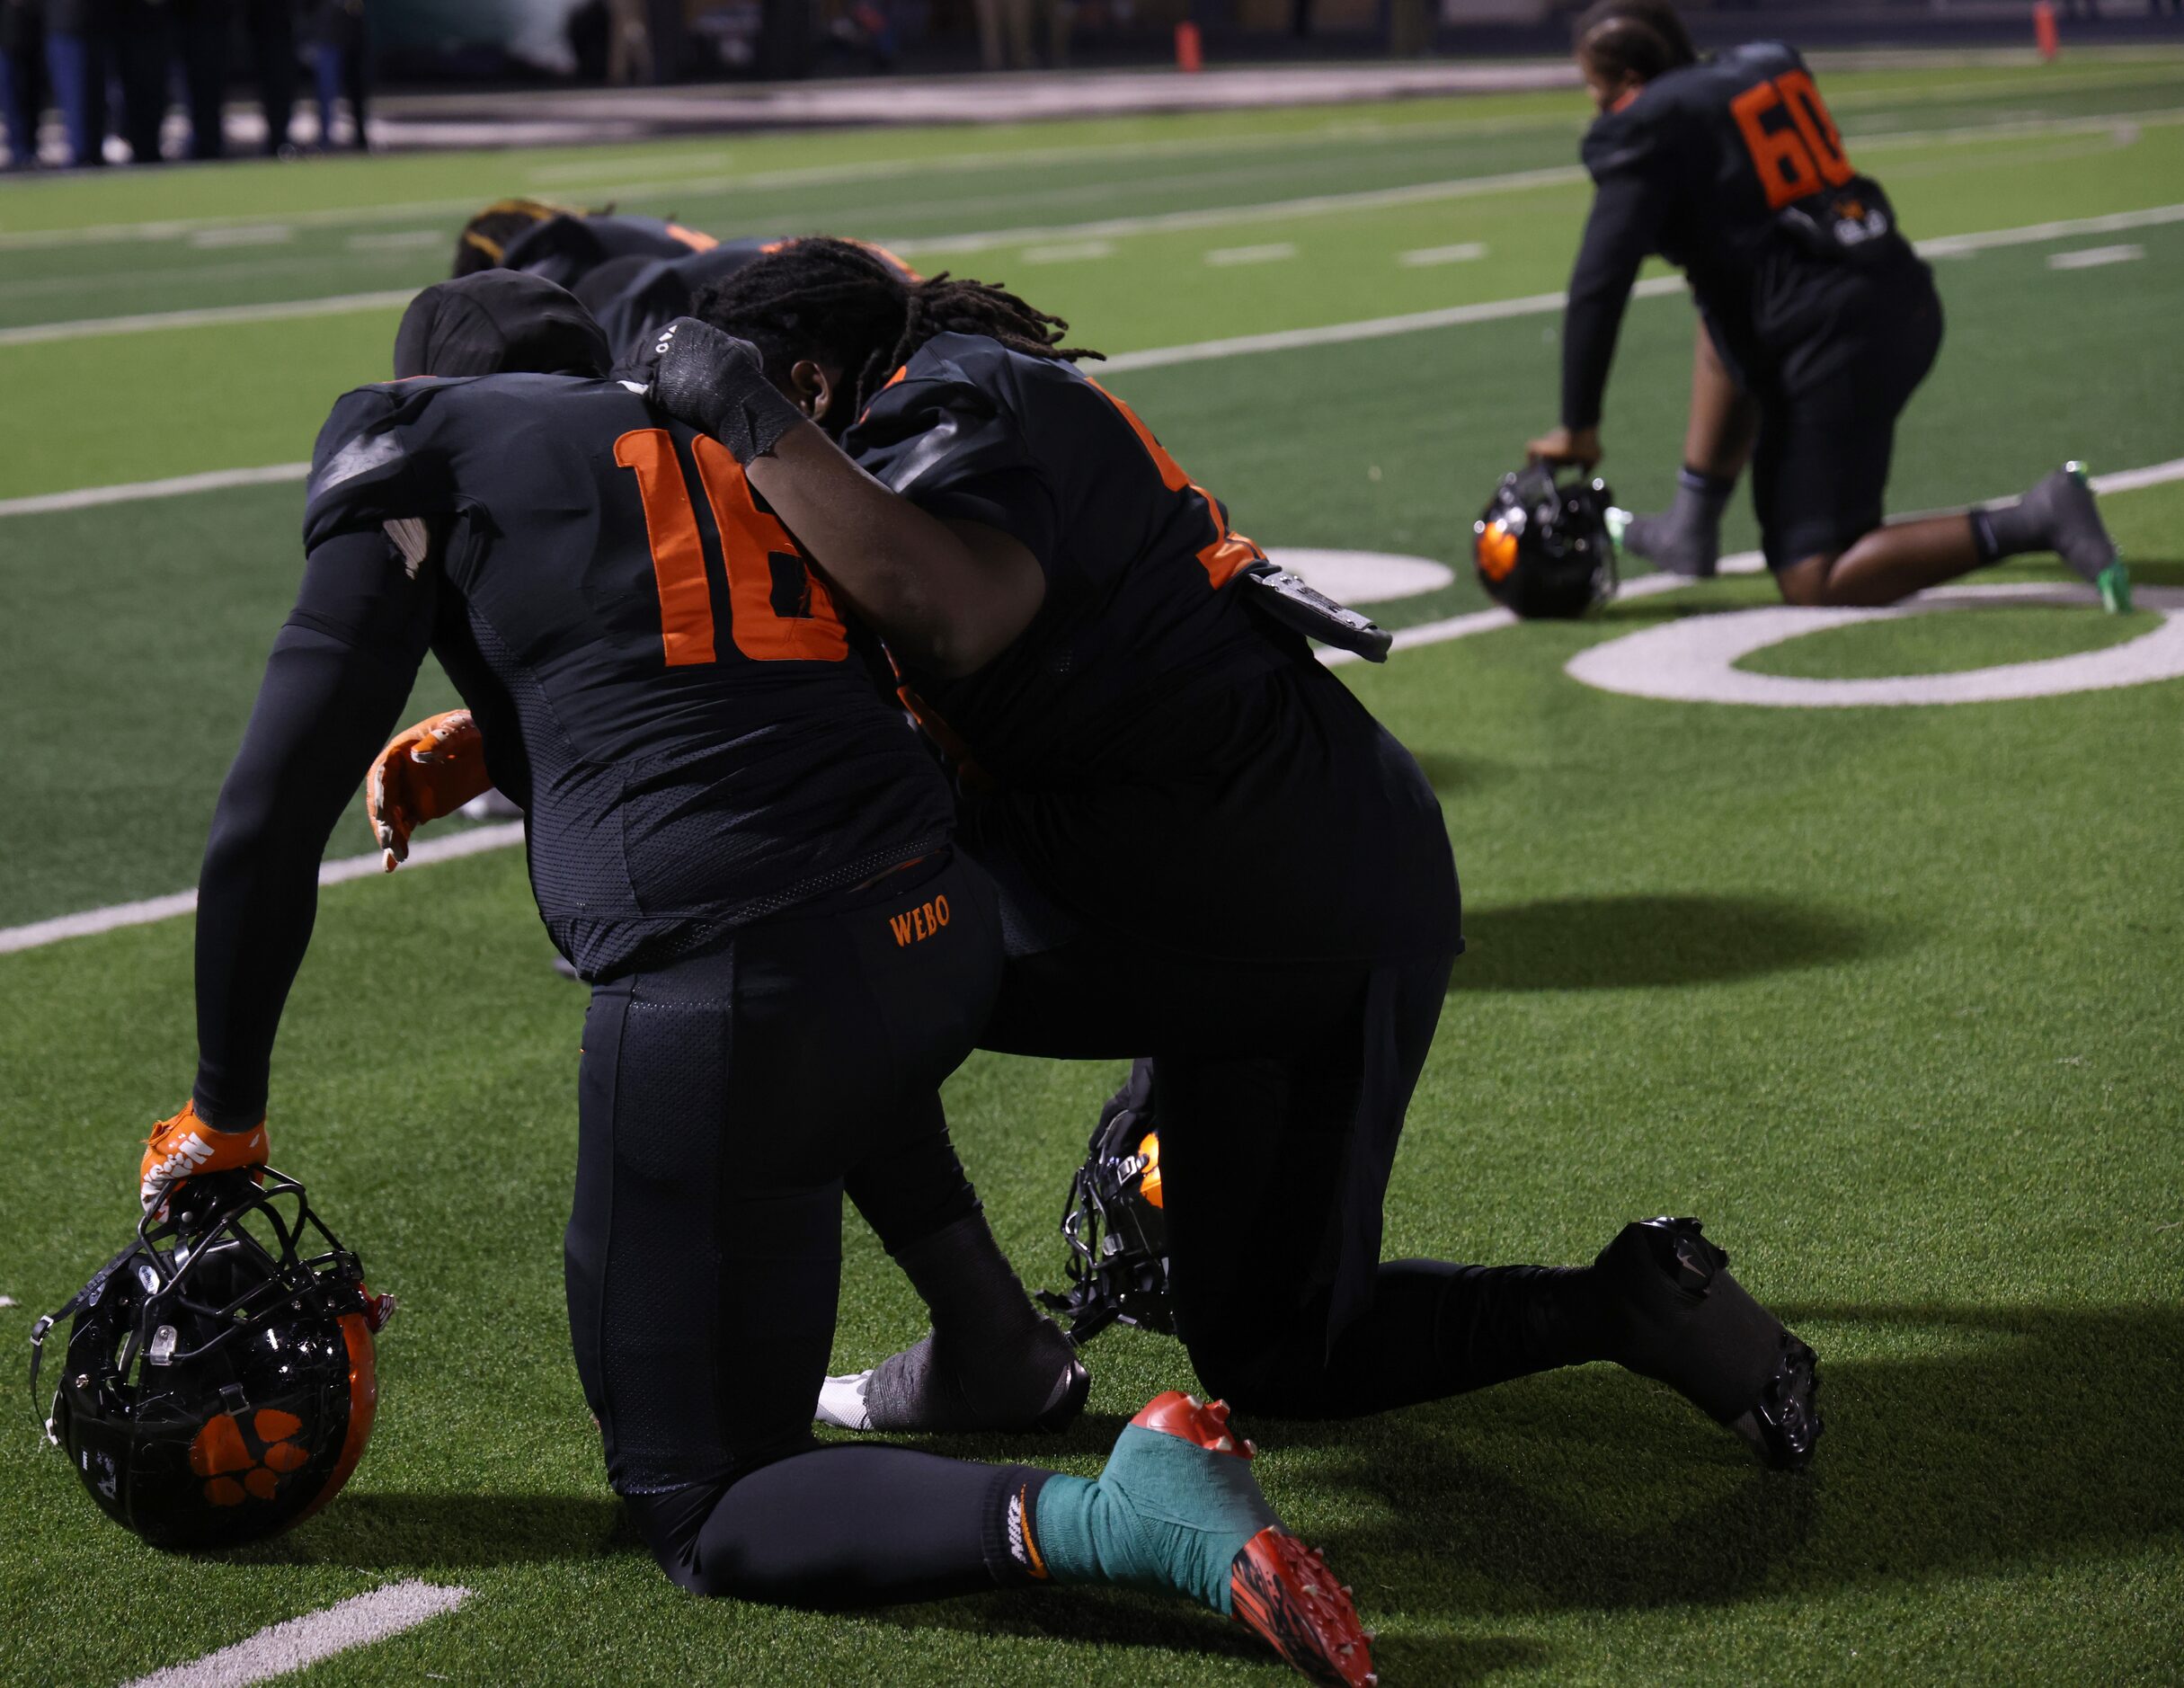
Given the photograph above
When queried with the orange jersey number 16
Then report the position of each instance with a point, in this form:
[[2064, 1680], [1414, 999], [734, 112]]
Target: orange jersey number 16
[[778, 610]]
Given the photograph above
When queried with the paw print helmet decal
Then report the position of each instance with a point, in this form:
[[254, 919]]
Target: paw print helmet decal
[[221, 1373]]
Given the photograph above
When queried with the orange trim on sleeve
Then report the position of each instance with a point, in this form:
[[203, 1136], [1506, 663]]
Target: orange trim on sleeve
[[1229, 551]]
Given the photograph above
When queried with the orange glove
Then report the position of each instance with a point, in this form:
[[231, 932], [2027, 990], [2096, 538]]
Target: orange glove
[[186, 1145], [428, 770]]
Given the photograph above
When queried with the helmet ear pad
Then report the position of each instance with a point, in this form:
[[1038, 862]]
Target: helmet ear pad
[[221, 1374], [1542, 547]]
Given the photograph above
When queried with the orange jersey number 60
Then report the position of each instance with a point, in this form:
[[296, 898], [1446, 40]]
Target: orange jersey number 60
[[1794, 143]]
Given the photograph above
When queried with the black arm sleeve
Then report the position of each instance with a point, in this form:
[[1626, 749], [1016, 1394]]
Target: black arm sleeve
[[335, 686], [1620, 233]]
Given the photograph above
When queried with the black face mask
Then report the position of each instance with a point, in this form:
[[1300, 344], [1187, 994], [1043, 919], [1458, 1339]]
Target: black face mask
[[498, 322]]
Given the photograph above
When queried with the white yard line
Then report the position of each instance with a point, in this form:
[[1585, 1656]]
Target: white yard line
[[423, 854], [2095, 257], [1372, 328], [208, 316], [2033, 233], [281, 1648], [1067, 251], [1463, 252], [1229, 216], [491, 838], [1273, 251], [129, 492]]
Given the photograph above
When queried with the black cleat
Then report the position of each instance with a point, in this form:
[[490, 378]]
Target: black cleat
[[1676, 1315], [2070, 521]]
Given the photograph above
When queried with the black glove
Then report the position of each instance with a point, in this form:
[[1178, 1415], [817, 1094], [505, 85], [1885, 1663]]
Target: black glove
[[717, 384]]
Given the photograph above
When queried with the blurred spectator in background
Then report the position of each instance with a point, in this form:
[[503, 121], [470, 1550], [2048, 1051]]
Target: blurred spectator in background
[[271, 25], [629, 42], [23, 78], [200, 36], [342, 50], [1004, 34], [76, 61], [140, 55]]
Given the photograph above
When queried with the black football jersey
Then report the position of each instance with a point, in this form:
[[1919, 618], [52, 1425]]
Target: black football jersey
[[1139, 560], [1157, 758], [1733, 170], [694, 734], [634, 297], [566, 248]]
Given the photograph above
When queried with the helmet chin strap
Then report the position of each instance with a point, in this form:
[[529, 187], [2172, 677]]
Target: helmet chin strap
[[94, 1287]]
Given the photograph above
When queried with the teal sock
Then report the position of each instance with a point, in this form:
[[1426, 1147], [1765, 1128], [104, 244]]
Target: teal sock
[[1165, 1515]]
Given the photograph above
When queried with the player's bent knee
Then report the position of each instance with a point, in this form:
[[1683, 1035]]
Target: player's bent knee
[[1808, 584], [1284, 1381]]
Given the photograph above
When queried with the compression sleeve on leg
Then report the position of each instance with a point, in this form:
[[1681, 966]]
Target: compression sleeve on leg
[[846, 1526]]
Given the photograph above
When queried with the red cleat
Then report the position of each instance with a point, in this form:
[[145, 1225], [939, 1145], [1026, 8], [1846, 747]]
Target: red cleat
[[1279, 1588], [1284, 1592]]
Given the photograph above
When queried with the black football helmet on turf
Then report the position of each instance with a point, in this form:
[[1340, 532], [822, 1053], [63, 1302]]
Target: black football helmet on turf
[[1114, 1222], [221, 1377], [1543, 547]]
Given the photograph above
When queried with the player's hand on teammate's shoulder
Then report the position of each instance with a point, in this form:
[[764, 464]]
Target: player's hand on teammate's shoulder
[[716, 383], [1559, 446]]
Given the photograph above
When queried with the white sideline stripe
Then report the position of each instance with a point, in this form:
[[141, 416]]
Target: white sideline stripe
[[208, 316], [490, 838], [423, 854], [2131, 480], [281, 1648], [2032, 234], [1226, 216], [1372, 328], [213, 481]]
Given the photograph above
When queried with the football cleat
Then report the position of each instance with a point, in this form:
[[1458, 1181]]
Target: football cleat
[[428, 770], [1279, 1589], [1676, 1315], [2070, 521], [185, 1147]]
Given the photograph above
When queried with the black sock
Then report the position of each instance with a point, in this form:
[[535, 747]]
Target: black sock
[[2000, 530]]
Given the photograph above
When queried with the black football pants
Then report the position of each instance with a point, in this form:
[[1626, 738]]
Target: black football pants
[[724, 1098], [1278, 1091]]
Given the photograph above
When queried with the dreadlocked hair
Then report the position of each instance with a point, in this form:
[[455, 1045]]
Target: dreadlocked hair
[[847, 305], [1638, 38]]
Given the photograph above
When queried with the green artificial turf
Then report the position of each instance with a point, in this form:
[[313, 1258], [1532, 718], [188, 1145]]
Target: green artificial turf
[[1889, 996]]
